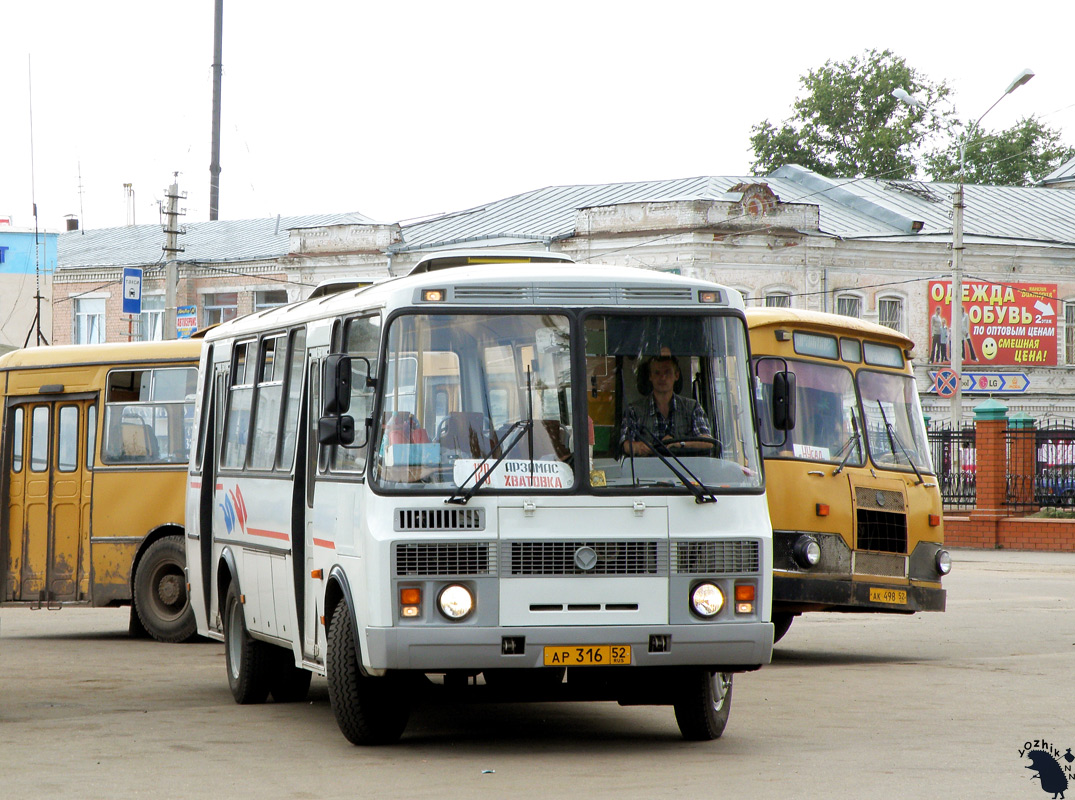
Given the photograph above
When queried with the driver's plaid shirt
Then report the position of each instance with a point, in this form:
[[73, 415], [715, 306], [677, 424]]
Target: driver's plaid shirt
[[685, 419]]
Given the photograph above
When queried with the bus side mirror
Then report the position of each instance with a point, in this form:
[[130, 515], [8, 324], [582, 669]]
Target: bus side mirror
[[336, 385], [784, 400], [336, 429]]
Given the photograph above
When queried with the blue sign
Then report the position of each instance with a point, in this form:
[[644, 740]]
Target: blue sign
[[132, 290]]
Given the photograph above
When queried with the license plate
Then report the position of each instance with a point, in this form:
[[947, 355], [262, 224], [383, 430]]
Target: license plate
[[895, 596], [601, 655]]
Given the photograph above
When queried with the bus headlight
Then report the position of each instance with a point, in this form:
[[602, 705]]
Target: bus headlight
[[807, 552], [455, 601], [707, 599], [943, 560]]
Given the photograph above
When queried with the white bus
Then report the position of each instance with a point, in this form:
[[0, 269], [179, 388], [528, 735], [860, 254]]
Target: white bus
[[436, 480]]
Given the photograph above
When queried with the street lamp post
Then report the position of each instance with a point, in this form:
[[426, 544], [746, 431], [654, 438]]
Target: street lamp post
[[956, 335]]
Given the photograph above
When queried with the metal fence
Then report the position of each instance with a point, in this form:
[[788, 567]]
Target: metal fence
[[1053, 480], [954, 458]]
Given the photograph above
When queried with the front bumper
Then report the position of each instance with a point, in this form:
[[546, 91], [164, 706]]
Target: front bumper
[[821, 594], [732, 647]]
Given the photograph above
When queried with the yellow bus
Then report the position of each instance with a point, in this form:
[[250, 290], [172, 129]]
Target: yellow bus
[[853, 495], [94, 449]]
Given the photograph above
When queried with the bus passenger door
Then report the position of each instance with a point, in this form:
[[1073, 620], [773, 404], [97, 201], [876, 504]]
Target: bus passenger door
[[48, 503]]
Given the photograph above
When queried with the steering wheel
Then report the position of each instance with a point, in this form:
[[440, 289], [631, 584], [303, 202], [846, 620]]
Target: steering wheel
[[677, 445]]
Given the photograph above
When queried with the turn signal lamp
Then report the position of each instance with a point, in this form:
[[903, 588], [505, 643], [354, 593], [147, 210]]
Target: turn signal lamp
[[433, 295], [934, 520], [709, 297], [744, 598], [410, 601], [822, 509]]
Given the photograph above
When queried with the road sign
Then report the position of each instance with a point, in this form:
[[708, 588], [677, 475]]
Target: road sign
[[981, 382], [132, 290], [945, 382]]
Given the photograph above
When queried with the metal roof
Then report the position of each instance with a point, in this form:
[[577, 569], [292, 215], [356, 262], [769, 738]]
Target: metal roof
[[848, 209], [1065, 172], [215, 241]]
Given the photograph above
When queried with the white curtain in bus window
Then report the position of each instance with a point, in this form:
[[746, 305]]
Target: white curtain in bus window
[[296, 365], [240, 395], [270, 389]]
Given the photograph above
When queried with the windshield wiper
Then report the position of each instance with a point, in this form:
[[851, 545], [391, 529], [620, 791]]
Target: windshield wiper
[[527, 428], [701, 492], [848, 446], [461, 497], [894, 440]]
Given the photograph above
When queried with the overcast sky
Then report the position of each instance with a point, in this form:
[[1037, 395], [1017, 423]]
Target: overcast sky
[[403, 109]]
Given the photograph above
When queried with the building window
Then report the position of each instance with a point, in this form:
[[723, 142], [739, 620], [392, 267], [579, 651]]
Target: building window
[[270, 298], [151, 320], [219, 307], [890, 313], [849, 305], [778, 300], [89, 320], [1069, 333]]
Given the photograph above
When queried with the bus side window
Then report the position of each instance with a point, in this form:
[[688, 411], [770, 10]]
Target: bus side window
[[16, 449]]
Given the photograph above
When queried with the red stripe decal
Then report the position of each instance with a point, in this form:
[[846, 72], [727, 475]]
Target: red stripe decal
[[195, 484], [324, 543], [267, 534], [220, 487]]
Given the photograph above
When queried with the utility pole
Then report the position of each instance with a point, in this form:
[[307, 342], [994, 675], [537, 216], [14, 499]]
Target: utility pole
[[172, 248], [214, 165]]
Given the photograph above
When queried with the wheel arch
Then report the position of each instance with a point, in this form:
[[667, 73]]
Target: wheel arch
[[338, 589], [227, 572], [154, 535]]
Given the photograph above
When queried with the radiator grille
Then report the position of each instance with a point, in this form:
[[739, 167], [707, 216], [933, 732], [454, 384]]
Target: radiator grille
[[613, 558], [440, 519], [891, 566], [445, 558], [721, 557], [881, 531]]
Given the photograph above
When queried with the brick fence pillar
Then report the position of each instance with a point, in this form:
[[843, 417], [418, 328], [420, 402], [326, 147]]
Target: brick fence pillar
[[1023, 461], [991, 469]]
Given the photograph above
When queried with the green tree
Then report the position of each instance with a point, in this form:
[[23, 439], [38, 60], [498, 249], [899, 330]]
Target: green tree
[[1018, 156], [847, 123]]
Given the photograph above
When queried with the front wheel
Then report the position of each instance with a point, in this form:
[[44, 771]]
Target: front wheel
[[368, 710], [249, 662], [703, 708], [160, 592], [781, 623]]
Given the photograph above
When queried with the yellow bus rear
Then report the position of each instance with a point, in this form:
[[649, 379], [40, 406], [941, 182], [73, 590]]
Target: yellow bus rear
[[853, 495]]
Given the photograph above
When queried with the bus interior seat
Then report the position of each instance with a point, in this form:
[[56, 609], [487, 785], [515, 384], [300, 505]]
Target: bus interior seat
[[550, 439], [138, 441], [403, 427], [466, 432]]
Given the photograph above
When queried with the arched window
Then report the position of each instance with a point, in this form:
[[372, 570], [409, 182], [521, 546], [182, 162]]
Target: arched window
[[849, 305]]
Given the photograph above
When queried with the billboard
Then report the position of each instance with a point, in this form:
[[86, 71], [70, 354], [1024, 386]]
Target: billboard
[[1004, 324]]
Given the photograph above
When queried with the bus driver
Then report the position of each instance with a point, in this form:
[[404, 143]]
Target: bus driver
[[662, 413]]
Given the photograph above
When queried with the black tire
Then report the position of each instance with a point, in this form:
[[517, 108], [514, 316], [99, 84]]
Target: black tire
[[160, 592], [781, 622], [249, 662], [369, 711], [703, 708], [288, 683]]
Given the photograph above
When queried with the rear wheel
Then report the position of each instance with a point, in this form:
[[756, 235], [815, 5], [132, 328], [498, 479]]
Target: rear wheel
[[249, 661], [703, 708], [160, 592], [368, 710]]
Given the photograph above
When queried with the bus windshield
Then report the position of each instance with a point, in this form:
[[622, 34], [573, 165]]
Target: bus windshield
[[828, 424], [463, 391], [896, 430]]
